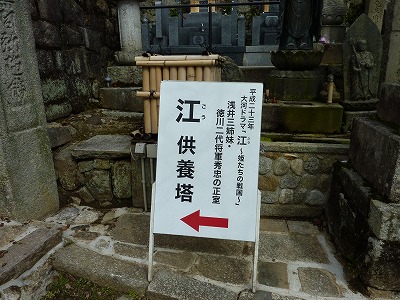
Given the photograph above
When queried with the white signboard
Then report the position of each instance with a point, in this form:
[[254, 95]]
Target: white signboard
[[207, 161]]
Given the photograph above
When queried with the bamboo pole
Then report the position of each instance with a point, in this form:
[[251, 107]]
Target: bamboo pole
[[143, 94], [199, 74], [207, 74], [173, 73], [178, 63], [182, 73], [158, 82], [165, 74], [153, 101], [190, 75], [146, 102]]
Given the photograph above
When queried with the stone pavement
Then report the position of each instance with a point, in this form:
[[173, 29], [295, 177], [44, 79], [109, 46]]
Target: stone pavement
[[296, 259]]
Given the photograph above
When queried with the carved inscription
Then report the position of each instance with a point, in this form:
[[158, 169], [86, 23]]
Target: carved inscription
[[13, 81]]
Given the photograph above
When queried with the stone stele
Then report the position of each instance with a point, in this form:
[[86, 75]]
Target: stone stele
[[28, 186]]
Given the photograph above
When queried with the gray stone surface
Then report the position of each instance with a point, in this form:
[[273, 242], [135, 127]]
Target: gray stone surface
[[273, 225], [9, 233], [290, 210], [57, 111], [104, 270], [388, 108], [125, 75], [28, 188], [59, 135], [121, 179], [120, 98], [384, 220], [284, 248], [178, 260], [286, 196], [375, 155], [319, 282], [66, 169], [302, 227], [273, 274], [130, 250], [99, 185], [103, 146], [280, 166], [315, 198], [168, 285], [22, 255], [349, 116], [225, 269], [299, 147]]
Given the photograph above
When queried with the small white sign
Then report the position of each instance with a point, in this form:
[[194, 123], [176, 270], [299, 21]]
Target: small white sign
[[208, 155]]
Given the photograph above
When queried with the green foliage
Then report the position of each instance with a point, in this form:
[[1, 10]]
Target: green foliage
[[69, 287], [353, 12]]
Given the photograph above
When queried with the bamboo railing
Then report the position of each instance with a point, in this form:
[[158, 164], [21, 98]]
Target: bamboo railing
[[174, 67]]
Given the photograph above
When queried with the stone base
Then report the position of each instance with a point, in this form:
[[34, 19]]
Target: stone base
[[305, 117], [295, 85], [364, 229], [364, 105], [349, 116], [121, 99]]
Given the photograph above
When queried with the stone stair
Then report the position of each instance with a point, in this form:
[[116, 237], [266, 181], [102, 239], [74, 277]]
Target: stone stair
[[24, 249]]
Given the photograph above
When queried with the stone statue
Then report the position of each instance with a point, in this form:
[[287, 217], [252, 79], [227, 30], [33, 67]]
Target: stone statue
[[299, 21], [361, 64]]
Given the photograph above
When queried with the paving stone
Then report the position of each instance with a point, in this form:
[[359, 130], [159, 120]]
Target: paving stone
[[293, 247], [59, 135], [258, 295], [168, 285], [225, 269], [103, 146], [273, 225], [273, 274], [319, 282], [86, 236], [131, 250], [302, 227], [290, 210], [22, 255], [178, 260], [134, 228], [104, 270]]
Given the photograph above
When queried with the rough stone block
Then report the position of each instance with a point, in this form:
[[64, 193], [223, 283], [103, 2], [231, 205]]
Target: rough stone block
[[66, 169], [169, 285], [21, 256], [59, 135], [50, 10], [121, 179], [47, 35], [72, 13], [57, 111], [389, 103], [375, 155], [273, 274], [99, 185], [92, 39], [125, 75], [384, 220], [349, 116], [121, 99], [382, 265], [54, 89], [319, 282]]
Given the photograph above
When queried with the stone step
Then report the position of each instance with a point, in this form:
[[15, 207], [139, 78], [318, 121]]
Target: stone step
[[121, 98], [171, 285], [25, 253], [103, 270], [125, 75]]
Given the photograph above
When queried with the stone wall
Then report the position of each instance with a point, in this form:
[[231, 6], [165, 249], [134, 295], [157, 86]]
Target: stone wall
[[75, 42], [294, 178]]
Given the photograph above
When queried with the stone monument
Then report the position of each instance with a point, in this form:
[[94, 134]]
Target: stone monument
[[28, 188], [362, 53], [295, 84]]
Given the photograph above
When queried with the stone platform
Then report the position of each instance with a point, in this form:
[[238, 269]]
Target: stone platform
[[302, 116], [296, 260]]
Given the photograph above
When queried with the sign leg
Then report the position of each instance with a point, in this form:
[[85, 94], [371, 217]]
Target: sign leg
[[257, 242], [151, 236]]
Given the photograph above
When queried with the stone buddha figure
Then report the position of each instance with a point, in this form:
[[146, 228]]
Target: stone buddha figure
[[299, 21]]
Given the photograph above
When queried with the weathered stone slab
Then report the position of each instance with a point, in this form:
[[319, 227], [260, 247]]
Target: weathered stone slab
[[349, 116], [375, 155], [384, 220], [121, 179], [375, 10], [22, 255], [319, 282], [124, 99], [293, 247], [9, 233], [104, 270], [273, 274], [125, 75], [103, 146], [389, 103], [66, 169], [179, 260], [168, 285], [225, 269], [382, 265], [59, 135]]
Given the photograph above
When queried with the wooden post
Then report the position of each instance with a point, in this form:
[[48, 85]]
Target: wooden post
[[199, 74], [190, 76], [153, 107], [182, 73], [173, 73]]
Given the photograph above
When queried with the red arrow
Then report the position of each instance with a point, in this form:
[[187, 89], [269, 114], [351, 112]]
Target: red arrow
[[194, 220]]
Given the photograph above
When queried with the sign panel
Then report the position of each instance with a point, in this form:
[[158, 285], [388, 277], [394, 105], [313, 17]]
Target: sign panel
[[208, 155]]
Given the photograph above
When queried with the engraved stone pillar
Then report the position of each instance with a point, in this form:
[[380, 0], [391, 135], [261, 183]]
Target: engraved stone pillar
[[129, 26], [28, 188], [392, 39], [375, 10]]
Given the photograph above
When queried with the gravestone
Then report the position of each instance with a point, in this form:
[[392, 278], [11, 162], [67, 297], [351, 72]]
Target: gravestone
[[375, 10], [28, 186], [362, 86]]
